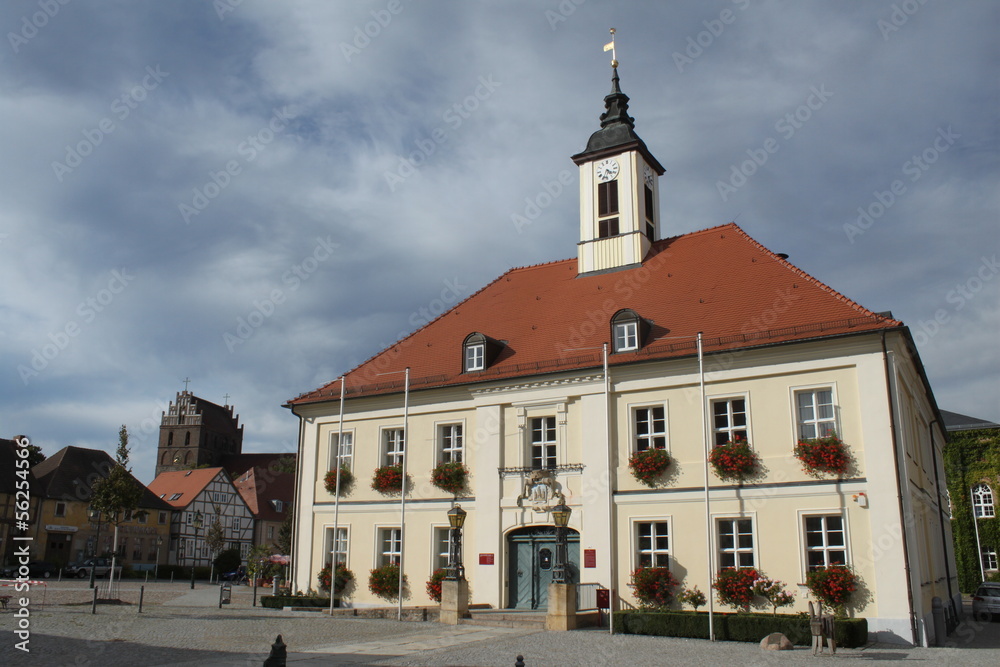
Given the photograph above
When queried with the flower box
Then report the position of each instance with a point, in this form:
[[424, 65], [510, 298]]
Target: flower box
[[346, 479], [735, 461], [824, 456], [388, 479], [649, 465], [450, 476]]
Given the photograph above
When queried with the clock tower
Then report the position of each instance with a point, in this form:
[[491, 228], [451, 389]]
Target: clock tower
[[619, 191]]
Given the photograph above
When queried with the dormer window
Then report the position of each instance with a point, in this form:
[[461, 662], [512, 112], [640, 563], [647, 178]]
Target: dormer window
[[478, 352], [628, 330]]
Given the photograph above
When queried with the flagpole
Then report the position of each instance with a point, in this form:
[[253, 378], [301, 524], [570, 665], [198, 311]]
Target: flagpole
[[708, 510], [336, 499], [402, 496]]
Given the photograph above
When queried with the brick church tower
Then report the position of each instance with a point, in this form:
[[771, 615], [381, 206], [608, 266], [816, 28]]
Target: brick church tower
[[197, 432]]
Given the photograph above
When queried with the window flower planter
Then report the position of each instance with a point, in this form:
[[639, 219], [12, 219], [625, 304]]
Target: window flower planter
[[342, 578], [450, 477], [388, 479], [653, 587], [649, 465], [346, 479], [383, 582], [833, 586], [734, 461], [434, 584], [823, 456]]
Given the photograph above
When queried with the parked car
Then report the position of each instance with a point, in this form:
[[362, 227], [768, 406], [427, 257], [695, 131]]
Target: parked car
[[986, 600], [239, 575], [100, 565], [42, 569]]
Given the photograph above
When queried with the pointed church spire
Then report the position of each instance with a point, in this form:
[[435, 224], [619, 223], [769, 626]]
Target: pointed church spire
[[616, 105]]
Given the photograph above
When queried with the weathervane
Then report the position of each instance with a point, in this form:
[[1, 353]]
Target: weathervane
[[610, 46]]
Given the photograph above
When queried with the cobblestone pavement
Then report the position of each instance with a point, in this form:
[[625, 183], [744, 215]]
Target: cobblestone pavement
[[183, 628]]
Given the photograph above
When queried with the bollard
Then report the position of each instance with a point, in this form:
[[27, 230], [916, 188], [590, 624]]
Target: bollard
[[279, 654], [255, 592], [60, 575], [520, 661], [142, 590], [940, 628], [147, 576], [171, 577], [93, 607]]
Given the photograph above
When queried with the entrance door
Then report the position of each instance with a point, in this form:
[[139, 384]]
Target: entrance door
[[532, 556]]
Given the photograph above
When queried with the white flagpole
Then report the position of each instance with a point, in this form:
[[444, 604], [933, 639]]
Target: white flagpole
[[336, 498], [402, 496], [708, 511]]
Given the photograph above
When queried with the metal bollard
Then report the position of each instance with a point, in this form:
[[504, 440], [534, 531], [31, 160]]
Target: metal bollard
[[142, 591], [520, 661], [279, 654], [93, 607]]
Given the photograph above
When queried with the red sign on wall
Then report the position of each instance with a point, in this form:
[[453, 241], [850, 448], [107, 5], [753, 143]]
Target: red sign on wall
[[590, 557], [486, 559]]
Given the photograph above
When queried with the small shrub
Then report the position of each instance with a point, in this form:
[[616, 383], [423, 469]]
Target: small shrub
[[833, 586], [653, 586], [736, 587], [693, 597], [774, 592], [227, 560], [434, 584]]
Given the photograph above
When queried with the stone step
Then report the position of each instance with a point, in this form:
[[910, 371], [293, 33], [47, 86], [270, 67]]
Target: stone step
[[499, 619]]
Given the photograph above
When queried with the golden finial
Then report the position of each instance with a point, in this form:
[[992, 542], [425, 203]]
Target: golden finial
[[610, 46]]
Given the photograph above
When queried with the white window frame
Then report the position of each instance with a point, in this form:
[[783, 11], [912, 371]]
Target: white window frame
[[342, 545], [244, 550], [384, 555], [236, 524], [653, 551], [344, 453], [626, 336], [637, 438], [731, 428], [393, 457], [982, 501], [60, 509], [440, 535], [546, 460], [475, 357], [447, 449], [826, 548], [988, 555], [832, 423], [737, 549]]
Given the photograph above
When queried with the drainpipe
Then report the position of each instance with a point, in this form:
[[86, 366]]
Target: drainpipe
[[890, 388], [944, 541], [612, 458]]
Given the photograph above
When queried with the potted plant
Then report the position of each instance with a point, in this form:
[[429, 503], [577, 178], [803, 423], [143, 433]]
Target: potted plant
[[774, 592], [341, 578], [388, 479], [823, 456], [450, 476], [693, 597], [833, 586], [434, 584], [383, 581], [648, 465], [346, 479], [653, 586], [734, 461]]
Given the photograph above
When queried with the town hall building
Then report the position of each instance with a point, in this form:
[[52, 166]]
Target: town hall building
[[548, 379]]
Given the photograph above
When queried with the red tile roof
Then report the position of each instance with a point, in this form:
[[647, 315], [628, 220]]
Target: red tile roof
[[259, 487], [718, 281], [188, 483]]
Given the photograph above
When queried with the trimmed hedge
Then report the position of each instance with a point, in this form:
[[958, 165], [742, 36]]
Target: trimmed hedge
[[280, 601], [851, 632]]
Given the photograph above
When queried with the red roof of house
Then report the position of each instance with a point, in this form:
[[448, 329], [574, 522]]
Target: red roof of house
[[188, 483], [717, 281], [260, 486]]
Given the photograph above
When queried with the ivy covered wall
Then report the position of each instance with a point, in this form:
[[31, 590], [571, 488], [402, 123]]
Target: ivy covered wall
[[971, 458]]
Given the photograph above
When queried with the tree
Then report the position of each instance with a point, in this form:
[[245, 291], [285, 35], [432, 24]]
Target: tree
[[259, 561], [284, 541], [215, 536], [117, 495]]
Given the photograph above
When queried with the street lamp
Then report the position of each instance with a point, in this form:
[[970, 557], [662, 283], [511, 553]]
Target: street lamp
[[156, 565], [94, 514], [456, 518], [194, 549], [560, 515]]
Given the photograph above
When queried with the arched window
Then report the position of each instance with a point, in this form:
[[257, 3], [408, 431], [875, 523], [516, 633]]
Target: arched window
[[187, 457], [628, 331], [479, 351], [982, 501], [165, 458]]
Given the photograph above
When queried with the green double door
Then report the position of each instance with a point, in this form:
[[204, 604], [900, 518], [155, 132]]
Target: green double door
[[532, 558]]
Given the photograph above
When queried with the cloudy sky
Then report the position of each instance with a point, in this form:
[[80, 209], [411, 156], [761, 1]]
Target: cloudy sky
[[259, 195]]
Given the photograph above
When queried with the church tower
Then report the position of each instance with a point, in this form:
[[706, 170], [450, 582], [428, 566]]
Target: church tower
[[619, 190], [195, 432]]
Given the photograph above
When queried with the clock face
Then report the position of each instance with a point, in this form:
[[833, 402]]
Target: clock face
[[607, 170], [648, 175]]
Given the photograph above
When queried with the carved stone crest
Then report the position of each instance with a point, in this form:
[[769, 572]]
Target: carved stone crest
[[541, 491]]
